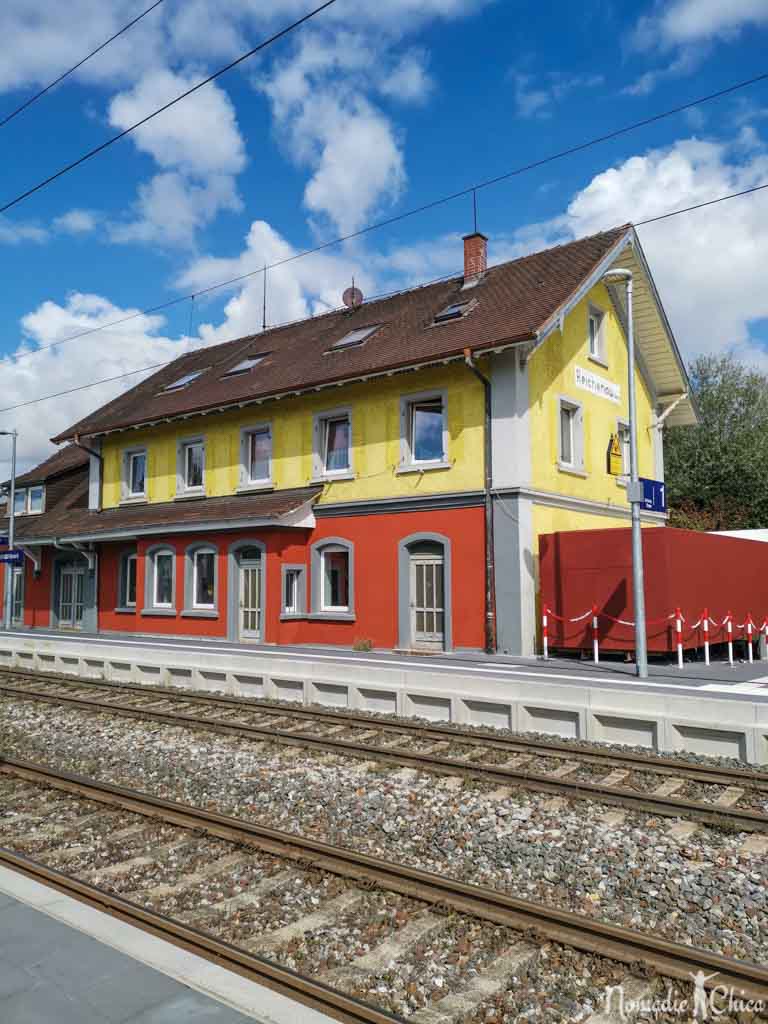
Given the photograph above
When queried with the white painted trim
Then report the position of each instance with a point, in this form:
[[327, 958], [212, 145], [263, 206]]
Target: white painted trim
[[181, 465], [262, 483], [407, 461], [577, 435], [319, 420]]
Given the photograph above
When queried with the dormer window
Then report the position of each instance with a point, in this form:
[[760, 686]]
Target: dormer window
[[246, 364], [29, 500], [356, 337], [184, 381], [455, 311]]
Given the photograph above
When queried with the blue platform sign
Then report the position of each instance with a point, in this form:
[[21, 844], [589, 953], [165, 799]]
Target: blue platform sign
[[4, 540], [654, 495], [12, 557]]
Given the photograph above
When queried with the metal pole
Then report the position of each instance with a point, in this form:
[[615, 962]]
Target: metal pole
[[8, 610], [635, 497]]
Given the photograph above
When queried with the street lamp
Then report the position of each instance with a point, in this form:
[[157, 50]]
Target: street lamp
[[8, 608], [634, 487]]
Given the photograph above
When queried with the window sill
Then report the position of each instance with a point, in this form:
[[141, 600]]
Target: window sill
[[159, 612], [125, 611], [190, 496], [425, 467], [134, 499], [200, 613], [599, 361], [572, 470], [256, 488], [332, 616], [294, 616], [332, 478]]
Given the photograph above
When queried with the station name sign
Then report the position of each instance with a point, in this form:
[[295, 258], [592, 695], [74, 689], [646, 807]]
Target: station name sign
[[597, 385]]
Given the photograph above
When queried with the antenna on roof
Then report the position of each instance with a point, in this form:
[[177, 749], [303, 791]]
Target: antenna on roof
[[264, 302], [474, 207], [352, 297]]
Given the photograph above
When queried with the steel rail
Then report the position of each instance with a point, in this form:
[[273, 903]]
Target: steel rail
[[722, 775], [669, 806], [280, 979], [538, 920]]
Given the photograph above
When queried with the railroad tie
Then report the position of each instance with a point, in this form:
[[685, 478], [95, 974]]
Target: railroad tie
[[365, 735], [325, 915], [756, 844], [729, 797], [565, 769], [460, 1004], [669, 787], [243, 899], [624, 998], [228, 862], [615, 778], [50, 831], [388, 952], [517, 761], [110, 870]]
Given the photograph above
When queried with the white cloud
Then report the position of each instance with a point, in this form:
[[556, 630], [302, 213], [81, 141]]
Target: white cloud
[[710, 264], [535, 96], [408, 81], [13, 232], [109, 352], [198, 145], [76, 222]]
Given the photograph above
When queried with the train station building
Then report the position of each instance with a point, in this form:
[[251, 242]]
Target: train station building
[[373, 477]]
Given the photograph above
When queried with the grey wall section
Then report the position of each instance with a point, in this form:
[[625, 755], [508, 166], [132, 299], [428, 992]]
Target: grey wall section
[[404, 587], [515, 574], [511, 429], [94, 477], [66, 558]]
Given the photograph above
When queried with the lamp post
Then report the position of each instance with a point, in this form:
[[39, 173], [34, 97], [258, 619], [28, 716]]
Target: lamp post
[[8, 607], [634, 487]]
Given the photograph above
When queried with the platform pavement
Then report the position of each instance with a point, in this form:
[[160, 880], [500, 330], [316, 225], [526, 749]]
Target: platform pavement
[[62, 962]]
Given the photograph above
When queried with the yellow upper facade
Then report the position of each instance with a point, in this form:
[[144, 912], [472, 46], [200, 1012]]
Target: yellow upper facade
[[577, 398]]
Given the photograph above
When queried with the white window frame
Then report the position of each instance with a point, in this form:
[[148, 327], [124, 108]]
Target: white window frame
[[576, 464], [164, 553], [335, 549], [195, 555], [247, 482], [408, 463], [181, 466], [622, 426], [125, 602], [298, 609], [129, 454], [599, 355], [319, 445], [24, 496]]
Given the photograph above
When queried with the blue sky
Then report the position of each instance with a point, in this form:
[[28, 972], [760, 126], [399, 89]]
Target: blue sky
[[370, 110]]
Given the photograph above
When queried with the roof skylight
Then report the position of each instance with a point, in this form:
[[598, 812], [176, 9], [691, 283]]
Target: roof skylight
[[182, 382], [356, 337], [246, 364], [455, 311]]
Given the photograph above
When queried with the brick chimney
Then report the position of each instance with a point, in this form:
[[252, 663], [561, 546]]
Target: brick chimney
[[475, 255]]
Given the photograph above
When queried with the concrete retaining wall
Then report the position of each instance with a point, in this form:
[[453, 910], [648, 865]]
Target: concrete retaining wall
[[512, 699]]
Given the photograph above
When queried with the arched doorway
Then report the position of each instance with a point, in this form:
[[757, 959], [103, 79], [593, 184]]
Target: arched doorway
[[425, 593], [247, 567]]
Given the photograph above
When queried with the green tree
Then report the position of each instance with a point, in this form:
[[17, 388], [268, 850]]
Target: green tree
[[716, 471]]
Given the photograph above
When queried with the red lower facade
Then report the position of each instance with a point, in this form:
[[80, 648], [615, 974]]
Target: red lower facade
[[382, 596]]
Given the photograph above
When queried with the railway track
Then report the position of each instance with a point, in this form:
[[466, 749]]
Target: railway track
[[732, 798], [92, 832]]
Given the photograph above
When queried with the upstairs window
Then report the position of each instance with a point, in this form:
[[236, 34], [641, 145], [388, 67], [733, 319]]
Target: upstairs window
[[333, 444], [192, 466], [257, 456], [571, 440], [135, 474], [424, 430], [182, 382], [35, 499], [29, 500], [20, 501], [356, 337], [246, 364], [596, 335]]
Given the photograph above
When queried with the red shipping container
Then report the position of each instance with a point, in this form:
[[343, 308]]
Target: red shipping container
[[683, 568]]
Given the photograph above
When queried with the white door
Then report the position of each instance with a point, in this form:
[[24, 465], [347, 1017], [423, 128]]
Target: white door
[[71, 598], [250, 595], [427, 601]]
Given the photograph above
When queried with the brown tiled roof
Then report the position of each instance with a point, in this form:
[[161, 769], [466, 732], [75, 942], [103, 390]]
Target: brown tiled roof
[[511, 303], [63, 461], [71, 520]]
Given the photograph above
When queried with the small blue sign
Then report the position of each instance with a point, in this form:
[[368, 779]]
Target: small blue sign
[[13, 557], [4, 540], [654, 495]]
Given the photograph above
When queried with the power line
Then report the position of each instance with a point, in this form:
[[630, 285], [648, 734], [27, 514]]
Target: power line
[[66, 74], [127, 131], [156, 366], [406, 214]]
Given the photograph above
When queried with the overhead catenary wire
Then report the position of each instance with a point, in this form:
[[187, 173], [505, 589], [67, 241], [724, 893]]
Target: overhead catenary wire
[[156, 366], [51, 85], [377, 225], [166, 106]]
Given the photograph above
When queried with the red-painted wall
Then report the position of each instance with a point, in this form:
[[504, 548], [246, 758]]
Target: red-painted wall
[[683, 568]]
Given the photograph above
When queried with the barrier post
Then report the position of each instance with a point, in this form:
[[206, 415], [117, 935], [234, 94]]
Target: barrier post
[[595, 646], [729, 621], [705, 624], [762, 646], [544, 632], [679, 636], [750, 656]]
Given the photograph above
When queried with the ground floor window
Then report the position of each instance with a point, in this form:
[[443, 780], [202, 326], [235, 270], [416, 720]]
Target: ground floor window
[[128, 581], [335, 570], [160, 578], [204, 579]]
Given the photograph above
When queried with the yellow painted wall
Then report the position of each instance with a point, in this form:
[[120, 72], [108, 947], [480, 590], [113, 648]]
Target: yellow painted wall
[[375, 441], [551, 375]]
